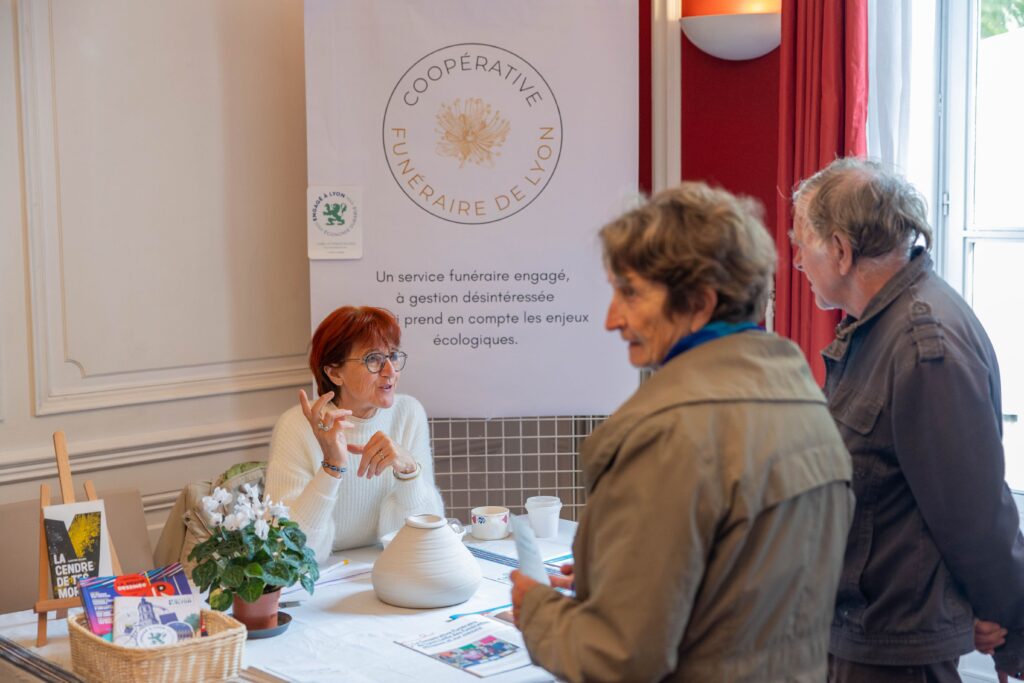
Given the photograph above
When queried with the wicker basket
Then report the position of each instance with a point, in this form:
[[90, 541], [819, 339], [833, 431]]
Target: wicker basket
[[216, 657]]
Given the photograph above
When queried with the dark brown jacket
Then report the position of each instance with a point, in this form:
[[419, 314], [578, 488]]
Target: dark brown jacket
[[914, 387]]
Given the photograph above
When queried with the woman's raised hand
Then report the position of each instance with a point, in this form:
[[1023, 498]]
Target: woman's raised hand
[[380, 453], [328, 423]]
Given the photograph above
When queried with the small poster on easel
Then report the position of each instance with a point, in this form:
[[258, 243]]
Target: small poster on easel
[[77, 545], [73, 543]]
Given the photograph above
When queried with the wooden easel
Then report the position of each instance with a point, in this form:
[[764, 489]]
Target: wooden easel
[[46, 604]]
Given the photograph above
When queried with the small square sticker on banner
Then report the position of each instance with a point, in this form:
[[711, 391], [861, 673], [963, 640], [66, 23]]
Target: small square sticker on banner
[[334, 222]]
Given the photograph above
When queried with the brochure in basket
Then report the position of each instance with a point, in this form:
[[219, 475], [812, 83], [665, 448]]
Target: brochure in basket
[[98, 593]]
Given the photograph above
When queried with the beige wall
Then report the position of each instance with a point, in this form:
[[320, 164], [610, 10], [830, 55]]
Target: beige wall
[[154, 289], [153, 283]]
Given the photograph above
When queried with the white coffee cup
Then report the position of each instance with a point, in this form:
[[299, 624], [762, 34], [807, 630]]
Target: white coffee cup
[[543, 512], [489, 522]]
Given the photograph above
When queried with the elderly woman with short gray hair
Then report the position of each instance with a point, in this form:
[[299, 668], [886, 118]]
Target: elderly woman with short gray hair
[[718, 494]]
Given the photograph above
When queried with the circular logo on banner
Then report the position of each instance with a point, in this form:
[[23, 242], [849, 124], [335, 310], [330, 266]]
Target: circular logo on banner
[[472, 133], [334, 213]]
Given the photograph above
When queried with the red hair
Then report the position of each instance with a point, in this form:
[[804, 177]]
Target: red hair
[[344, 329]]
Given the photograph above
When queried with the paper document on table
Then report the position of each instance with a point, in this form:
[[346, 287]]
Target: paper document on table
[[307, 672], [550, 550], [558, 561], [477, 645], [252, 674], [340, 571]]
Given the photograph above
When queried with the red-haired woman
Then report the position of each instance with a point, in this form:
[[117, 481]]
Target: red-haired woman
[[353, 464]]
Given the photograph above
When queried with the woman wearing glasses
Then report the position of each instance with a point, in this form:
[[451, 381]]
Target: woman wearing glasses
[[354, 463]]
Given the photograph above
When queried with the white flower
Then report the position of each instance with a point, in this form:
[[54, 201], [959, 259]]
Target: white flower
[[210, 503], [278, 510], [252, 490], [262, 528], [236, 521], [213, 518], [258, 509], [222, 496], [245, 511]]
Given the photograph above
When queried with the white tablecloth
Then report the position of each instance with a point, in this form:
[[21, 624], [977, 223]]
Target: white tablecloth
[[343, 632]]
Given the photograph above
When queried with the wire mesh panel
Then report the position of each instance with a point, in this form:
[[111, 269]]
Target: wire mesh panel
[[505, 461]]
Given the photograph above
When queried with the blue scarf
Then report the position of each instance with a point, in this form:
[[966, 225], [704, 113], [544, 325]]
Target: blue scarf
[[709, 332]]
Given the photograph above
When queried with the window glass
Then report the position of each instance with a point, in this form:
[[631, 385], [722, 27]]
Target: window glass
[[999, 304], [994, 212], [999, 116]]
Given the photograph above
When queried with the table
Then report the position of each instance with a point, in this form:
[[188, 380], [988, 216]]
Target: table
[[345, 626]]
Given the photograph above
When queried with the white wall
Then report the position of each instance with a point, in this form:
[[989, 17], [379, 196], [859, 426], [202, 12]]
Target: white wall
[[153, 282]]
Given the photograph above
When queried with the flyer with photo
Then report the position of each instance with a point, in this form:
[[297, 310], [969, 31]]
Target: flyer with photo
[[477, 645]]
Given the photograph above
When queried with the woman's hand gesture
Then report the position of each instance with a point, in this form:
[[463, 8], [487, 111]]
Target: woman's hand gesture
[[328, 423], [380, 453]]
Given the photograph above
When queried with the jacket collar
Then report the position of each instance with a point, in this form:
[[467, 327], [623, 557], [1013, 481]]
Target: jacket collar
[[748, 366], [713, 330], [920, 264]]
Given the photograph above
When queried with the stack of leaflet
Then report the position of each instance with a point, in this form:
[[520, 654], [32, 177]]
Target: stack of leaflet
[[340, 571], [99, 593]]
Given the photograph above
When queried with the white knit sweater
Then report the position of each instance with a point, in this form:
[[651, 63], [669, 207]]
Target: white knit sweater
[[351, 511]]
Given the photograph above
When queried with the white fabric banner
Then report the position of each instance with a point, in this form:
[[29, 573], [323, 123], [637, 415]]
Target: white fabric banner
[[489, 142]]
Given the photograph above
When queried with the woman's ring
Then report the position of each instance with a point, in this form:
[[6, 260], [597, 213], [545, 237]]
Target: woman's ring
[[322, 427]]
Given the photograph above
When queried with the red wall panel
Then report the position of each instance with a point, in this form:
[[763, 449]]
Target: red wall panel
[[730, 123], [645, 104]]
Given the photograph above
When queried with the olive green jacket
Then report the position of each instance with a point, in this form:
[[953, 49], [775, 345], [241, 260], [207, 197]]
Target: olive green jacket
[[712, 539]]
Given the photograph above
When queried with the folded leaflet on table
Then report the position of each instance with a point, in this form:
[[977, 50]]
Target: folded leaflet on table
[[340, 571]]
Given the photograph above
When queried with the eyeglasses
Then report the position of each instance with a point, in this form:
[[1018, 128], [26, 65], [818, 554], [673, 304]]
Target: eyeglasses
[[375, 360]]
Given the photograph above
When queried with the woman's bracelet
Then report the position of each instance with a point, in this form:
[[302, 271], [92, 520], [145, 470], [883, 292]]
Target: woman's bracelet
[[333, 468], [406, 476]]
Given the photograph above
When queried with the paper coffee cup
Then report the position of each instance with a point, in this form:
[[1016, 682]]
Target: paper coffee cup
[[543, 512]]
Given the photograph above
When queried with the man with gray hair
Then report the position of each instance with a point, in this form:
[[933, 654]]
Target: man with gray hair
[[913, 384]]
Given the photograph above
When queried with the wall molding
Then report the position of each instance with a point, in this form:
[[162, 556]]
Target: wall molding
[[61, 385], [51, 400], [666, 105], [120, 452]]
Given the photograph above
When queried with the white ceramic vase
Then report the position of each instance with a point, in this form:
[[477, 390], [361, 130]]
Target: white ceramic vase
[[426, 565]]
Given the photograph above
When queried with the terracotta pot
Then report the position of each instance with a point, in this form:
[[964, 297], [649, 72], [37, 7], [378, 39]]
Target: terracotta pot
[[258, 615]]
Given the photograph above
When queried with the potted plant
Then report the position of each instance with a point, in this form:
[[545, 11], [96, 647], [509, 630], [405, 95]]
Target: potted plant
[[254, 551]]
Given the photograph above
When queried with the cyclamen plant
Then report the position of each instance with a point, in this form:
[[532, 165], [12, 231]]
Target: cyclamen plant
[[254, 549]]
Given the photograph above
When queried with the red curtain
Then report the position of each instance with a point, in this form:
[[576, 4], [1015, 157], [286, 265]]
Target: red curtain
[[823, 106]]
